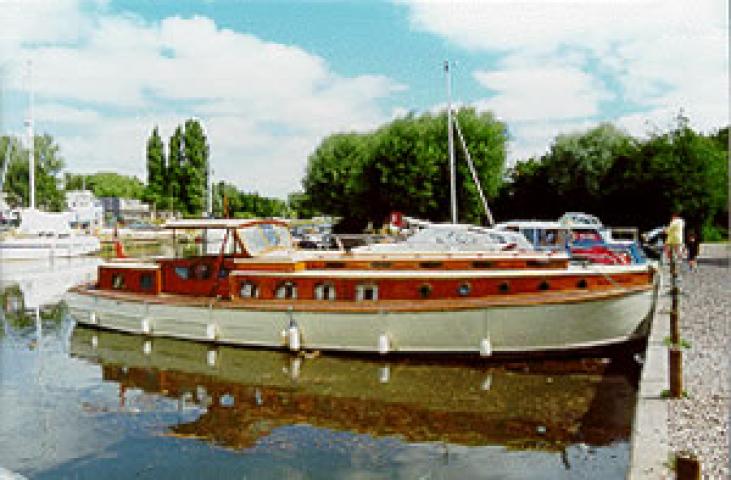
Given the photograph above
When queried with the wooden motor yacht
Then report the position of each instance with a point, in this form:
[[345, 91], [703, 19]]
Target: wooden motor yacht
[[474, 296]]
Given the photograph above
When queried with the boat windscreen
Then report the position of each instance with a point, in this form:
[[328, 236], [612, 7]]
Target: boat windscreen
[[263, 237]]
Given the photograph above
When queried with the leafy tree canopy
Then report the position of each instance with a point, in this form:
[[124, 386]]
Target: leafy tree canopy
[[404, 166], [48, 166], [108, 184]]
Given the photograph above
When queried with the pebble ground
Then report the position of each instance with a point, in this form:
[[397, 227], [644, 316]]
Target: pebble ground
[[700, 423]]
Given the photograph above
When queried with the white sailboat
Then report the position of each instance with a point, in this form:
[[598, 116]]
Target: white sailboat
[[43, 234]]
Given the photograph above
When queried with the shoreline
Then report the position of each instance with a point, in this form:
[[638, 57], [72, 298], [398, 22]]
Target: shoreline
[[698, 424]]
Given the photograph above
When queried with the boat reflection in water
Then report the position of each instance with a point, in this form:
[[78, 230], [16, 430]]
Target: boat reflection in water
[[244, 395]]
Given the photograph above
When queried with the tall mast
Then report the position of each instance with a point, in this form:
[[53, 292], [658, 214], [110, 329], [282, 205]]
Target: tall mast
[[31, 153], [450, 136]]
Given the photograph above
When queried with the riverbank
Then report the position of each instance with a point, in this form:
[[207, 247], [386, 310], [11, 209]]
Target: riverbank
[[698, 424]]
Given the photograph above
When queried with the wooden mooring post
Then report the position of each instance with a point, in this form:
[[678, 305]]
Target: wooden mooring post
[[675, 352], [675, 308], [687, 467]]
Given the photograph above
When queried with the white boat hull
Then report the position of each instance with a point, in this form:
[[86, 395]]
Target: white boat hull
[[499, 329], [42, 248]]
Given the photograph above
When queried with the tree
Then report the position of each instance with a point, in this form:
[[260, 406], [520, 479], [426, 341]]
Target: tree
[[195, 167], [156, 170], [626, 181], [403, 166], [245, 205], [332, 182], [176, 181], [48, 166], [108, 184]]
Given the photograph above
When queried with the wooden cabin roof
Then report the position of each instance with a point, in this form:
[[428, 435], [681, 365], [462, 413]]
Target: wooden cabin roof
[[219, 223]]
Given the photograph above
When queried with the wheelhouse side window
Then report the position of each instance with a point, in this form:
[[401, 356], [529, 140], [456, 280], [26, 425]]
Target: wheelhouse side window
[[325, 291], [146, 281], [286, 290], [366, 293], [182, 272], [249, 290], [118, 282]]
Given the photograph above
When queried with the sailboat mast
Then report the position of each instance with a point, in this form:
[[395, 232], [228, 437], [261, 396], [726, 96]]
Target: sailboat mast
[[31, 152], [450, 136]]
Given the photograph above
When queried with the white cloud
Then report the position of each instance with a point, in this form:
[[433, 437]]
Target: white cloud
[[262, 102], [535, 93], [566, 59]]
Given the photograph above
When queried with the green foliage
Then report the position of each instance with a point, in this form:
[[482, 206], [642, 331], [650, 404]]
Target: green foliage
[[108, 184], [626, 181], [176, 172], [156, 171], [181, 185], [245, 205], [48, 166], [403, 166], [194, 168]]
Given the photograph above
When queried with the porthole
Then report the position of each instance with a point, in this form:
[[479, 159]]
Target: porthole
[[425, 290], [503, 287], [286, 290], [582, 283], [544, 285], [464, 289], [249, 290], [325, 291], [118, 282]]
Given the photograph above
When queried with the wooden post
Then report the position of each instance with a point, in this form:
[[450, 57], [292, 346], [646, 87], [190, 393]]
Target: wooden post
[[675, 317], [687, 467], [676, 371], [674, 311]]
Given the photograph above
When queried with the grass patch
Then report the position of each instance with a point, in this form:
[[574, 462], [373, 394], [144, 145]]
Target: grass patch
[[666, 394], [668, 342]]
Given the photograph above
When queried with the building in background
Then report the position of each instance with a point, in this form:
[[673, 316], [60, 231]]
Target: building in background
[[86, 211], [125, 210]]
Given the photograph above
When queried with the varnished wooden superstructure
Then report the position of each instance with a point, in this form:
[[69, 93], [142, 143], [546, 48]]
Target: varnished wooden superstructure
[[327, 287]]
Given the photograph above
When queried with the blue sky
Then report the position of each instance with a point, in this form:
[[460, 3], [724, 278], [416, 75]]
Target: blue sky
[[270, 79]]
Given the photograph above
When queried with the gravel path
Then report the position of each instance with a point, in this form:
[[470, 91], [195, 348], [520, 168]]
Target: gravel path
[[700, 423]]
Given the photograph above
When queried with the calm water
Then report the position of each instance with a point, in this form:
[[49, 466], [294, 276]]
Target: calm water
[[79, 403]]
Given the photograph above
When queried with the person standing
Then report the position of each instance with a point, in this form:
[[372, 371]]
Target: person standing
[[693, 247], [674, 241]]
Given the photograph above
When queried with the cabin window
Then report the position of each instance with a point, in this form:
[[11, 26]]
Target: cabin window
[[335, 265], [582, 283], [182, 272], [503, 287], [482, 264], [118, 282], [325, 291], [464, 289], [425, 290], [381, 264], [544, 285], [286, 290], [146, 281], [249, 290], [366, 293], [537, 263], [430, 264], [201, 271]]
